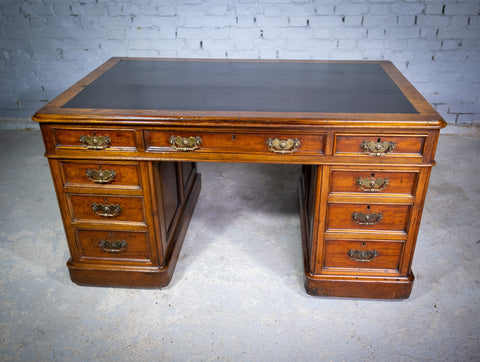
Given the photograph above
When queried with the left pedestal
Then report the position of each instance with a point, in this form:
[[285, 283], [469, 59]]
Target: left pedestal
[[125, 221]]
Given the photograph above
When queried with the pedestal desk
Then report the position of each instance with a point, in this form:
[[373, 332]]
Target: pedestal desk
[[122, 145]]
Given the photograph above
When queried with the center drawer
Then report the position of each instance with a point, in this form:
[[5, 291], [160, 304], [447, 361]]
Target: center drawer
[[106, 209], [266, 142]]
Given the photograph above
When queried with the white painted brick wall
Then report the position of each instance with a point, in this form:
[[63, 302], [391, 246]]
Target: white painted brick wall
[[46, 45]]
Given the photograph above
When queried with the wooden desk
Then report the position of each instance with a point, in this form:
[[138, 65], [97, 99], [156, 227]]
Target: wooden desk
[[122, 145]]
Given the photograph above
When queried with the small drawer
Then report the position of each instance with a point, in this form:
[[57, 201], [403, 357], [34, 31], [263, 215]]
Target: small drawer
[[379, 256], [373, 217], [99, 174], [106, 209], [112, 245], [374, 145], [373, 182], [105, 139], [234, 142]]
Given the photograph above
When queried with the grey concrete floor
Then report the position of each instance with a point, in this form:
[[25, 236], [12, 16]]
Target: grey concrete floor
[[237, 292]]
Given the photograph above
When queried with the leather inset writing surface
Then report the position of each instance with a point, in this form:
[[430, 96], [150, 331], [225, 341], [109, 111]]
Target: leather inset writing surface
[[244, 86]]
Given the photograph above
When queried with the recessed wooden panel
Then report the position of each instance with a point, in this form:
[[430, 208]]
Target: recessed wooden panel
[[187, 168], [169, 190]]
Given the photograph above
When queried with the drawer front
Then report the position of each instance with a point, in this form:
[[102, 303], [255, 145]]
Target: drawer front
[[209, 141], [112, 245], [374, 145], [374, 217], [105, 139], [354, 254], [98, 174], [373, 182], [106, 208]]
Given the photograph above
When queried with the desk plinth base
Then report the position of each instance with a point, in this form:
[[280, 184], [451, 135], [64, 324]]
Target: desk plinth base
[[138, 276], [358, 287], [398, 287]]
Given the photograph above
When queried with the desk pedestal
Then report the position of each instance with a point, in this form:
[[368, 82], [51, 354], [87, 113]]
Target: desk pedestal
[[127, 231], [342, 263]]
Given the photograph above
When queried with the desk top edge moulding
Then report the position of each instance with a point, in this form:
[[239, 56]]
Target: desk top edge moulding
[[123, 142]]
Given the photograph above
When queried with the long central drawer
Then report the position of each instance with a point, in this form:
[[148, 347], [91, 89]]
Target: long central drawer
[[204, 141]]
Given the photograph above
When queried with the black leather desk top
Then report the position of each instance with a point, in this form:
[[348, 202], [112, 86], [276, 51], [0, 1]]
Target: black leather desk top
[[244, 86]]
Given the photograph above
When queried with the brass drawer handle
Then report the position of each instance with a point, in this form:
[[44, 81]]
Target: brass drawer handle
[[95, 142], [378, 148], [185, 143], [113, 246], [362, 256], [101, 176], [372, 184], [106, 210], [366, 219], [283, 146]]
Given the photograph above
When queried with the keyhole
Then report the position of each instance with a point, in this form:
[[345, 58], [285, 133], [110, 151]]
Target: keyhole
[[363, 243], [368, 207], [233, 137], [373, 175], [379, 140]]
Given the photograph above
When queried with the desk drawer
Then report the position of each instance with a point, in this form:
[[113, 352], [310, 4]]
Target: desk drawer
[[100, 174], [106, 209], [374, 256], [373, 144], [234, 142], [373, 217], [112, 245], [373, 181], [94, 140]]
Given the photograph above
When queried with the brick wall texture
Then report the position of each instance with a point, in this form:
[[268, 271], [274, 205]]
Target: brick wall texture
[[47, 45]]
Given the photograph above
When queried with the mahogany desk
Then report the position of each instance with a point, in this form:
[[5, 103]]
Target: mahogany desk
[[122, 145]]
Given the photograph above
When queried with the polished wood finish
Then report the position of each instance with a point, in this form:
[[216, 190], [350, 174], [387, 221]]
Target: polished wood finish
[[343, 121]]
